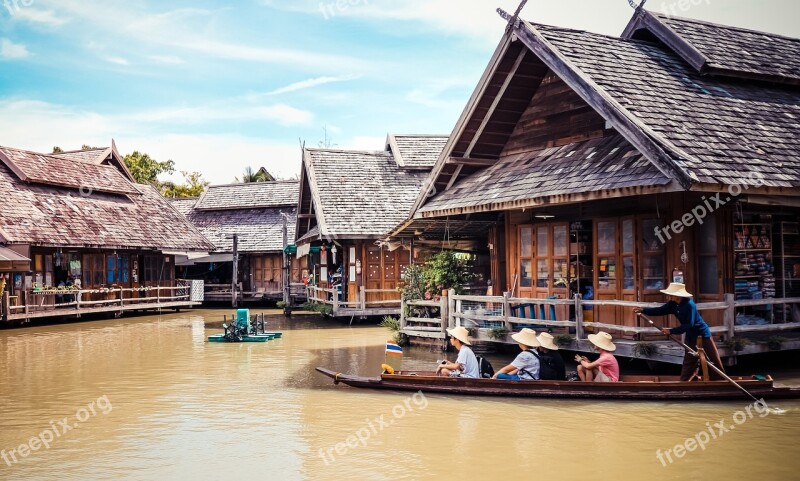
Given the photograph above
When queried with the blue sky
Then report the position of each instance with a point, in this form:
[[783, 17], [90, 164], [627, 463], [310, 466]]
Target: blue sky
[[217, 86]]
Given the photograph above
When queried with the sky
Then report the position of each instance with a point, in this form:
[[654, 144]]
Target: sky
[[219, 86]]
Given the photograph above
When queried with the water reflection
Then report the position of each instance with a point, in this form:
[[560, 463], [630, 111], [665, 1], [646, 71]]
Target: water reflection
[[187, 409]]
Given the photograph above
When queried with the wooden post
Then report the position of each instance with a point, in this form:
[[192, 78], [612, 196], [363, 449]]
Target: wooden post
[[335, 301], [234, 280], [25, 301], [121, 297], [451, 309], [363, 297], [78, 295], [158, 294], [443, 314], [506, 310], [6, 305], [729, 317], [402, 313], [578, 317]]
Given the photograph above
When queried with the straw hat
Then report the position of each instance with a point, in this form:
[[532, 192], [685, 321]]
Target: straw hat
[[602, 340], [676, 289], [527, 337], [546, 340], [461, 334]]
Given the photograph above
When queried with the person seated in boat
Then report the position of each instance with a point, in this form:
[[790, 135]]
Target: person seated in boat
[[466, 364], [525, 367], [552, 366], [698, 334], [605, 368]]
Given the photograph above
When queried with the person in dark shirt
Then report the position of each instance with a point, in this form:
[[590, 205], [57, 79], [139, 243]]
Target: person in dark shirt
[[697, 332], [553, 367]]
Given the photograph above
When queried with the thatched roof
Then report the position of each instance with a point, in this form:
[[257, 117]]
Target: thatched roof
[[53, 201]]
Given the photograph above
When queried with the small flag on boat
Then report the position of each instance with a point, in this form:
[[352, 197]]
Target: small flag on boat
[[393, 349]]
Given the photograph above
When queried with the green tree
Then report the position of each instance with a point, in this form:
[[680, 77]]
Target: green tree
[[145, 169], [193, 186], [57, 150]]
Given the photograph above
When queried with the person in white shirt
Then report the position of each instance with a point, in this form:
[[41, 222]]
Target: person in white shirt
[[466, 364]]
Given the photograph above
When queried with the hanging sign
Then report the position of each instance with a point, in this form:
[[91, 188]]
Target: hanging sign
[[677, 276]]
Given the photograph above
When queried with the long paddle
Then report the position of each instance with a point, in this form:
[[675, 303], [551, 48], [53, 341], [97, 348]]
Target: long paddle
[[694, 353]]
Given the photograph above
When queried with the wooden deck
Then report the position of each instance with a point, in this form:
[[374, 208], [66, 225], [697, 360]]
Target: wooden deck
[[361, 307], [494, 318], [43, 304]]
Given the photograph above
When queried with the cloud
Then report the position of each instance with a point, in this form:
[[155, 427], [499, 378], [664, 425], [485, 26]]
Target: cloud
[[12, 51], [69, 128], [117, 60], [44, 17], [227, 111], [167, 59], [312, 82]]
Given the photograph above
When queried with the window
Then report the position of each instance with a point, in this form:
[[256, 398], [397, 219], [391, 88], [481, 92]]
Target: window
[[707, 257], [526, 254], [606, 251], [652, 257]]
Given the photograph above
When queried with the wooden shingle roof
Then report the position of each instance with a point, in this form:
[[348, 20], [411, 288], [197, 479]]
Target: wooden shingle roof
[[550, 176], [65, 171], [359, 194], [722, 50], [183, 205], [259, 230], [55, 215], [416, 151], [249, 195], [721, 131]]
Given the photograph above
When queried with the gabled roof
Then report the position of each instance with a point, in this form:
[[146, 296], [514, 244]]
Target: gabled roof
[[92, 156], [722, 50], [65, 171], [258, 230], [701, 132], [415, 151], [249, 195], [356, 194], [50, 215]]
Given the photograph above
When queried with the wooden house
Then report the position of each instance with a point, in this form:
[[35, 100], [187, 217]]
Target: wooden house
[[614, 166], [262, 216], [349, 202], [87, 238]]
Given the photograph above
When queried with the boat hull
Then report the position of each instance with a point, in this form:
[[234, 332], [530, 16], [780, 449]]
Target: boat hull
[[631, 388]]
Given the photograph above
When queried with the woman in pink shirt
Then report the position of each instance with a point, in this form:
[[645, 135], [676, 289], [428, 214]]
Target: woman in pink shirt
[[605, 368]]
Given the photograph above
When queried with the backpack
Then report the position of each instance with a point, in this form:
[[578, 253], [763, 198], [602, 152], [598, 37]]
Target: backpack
[[485, 367], [547, 367]]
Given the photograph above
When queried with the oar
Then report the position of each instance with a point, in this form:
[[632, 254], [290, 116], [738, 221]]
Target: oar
[[694, 353]]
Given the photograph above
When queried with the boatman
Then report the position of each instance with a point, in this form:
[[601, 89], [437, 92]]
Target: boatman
[[696, 329], [466, 364]]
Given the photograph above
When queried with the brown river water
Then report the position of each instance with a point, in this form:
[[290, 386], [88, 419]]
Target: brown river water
[[147, 398]]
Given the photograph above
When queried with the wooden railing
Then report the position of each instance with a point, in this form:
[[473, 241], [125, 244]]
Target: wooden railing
[[498, 311], [330, 296], [81, 299]]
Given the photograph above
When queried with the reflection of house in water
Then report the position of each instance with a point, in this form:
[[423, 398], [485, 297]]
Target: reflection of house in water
[[256, 213], [617, 165], [349, 201], [85, 237]]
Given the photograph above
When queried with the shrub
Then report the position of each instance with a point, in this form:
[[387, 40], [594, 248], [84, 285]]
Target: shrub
[[737, 343], [498, 333], [391, 323], [774, 343], [562, 340], [644, 349]]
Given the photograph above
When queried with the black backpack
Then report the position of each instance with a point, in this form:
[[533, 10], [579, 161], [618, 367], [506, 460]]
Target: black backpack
[[547, 367], [485, 367]]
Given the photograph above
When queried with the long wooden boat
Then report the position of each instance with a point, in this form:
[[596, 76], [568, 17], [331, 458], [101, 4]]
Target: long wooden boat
[[629, 387]]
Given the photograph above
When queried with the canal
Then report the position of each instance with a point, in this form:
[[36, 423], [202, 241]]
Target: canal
[[147, 398]]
